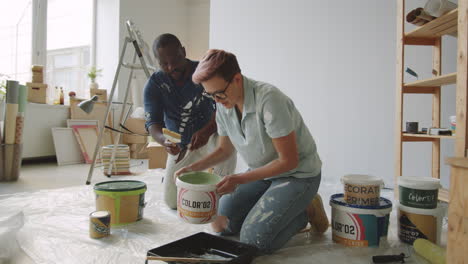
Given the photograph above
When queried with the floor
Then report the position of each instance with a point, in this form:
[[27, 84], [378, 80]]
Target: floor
[[46, 174], [52, 224]]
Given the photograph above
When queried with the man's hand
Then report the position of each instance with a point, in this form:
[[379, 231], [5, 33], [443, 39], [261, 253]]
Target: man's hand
[[171, 148], [228, 184], [199, 139]]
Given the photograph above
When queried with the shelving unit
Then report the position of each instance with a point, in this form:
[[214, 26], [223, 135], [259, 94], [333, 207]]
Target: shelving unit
[[454, 23]]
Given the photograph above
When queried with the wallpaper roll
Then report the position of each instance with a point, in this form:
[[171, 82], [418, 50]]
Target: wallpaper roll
[[22, 100], [11, 111]]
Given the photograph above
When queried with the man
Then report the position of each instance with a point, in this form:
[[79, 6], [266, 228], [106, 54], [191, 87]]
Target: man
[[274, 199], [174, 102]]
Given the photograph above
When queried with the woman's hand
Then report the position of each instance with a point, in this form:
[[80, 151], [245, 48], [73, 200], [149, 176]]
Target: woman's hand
[[181, 171], [228, 184]]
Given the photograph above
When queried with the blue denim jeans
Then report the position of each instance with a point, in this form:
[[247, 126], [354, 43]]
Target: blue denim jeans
[[267, 213]]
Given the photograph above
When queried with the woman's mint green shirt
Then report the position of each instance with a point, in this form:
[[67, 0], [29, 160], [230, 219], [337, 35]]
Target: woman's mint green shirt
[[268, 114]]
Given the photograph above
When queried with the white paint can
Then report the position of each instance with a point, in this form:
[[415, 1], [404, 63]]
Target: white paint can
[[361, 189], [197, 199]]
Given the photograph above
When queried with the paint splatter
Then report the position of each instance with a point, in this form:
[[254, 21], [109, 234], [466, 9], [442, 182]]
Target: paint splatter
[[265, 216], [280, 185]]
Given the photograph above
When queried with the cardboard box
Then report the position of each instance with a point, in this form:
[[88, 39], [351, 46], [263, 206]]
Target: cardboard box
[[101, 93], [134, 139], [157, 156], [136, 125], [138, 151], [37, 78], [37, 92]]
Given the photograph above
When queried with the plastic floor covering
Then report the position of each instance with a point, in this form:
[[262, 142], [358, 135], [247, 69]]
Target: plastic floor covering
[[51, 226]]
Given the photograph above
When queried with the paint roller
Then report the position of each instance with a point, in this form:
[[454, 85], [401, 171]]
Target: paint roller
[[430, 251]]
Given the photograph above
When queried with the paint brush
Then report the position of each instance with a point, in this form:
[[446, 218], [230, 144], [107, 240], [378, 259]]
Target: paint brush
[[172, 136], [11, 111]]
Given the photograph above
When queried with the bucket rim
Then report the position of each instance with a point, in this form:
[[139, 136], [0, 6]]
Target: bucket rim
[[362, 179], [139, 185], [197, 187], [387, 204], [419, 183]]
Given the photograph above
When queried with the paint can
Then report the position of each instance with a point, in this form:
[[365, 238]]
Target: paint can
[[197, 200], [412, 127], [453, 123], [99, 224], [414, 223], [357, 225], [125, 200], [362, 189], [418, 192]]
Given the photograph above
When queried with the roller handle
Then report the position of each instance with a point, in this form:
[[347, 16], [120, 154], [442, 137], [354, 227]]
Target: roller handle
[[389, 258]]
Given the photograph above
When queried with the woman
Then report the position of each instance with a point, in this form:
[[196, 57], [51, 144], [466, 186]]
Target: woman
[[273, 200]]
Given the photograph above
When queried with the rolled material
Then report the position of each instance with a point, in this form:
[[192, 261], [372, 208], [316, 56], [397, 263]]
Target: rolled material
[[11, 111], [22, 100], [430, 251], [419, 17]]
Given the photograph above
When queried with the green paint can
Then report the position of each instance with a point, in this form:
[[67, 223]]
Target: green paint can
[[125, 200], [419, 192]]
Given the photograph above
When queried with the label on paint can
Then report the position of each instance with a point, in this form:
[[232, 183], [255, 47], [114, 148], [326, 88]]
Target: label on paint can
[[418, 223], [359, 226], [99, 224], [426, 199], [197, 207]]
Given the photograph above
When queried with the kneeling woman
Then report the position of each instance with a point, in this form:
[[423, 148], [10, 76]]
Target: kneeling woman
[[273, 200]]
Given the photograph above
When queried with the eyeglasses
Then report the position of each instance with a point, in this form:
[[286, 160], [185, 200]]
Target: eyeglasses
[[220, 95]]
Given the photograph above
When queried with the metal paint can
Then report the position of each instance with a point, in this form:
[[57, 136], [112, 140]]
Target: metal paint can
[[99, 224]]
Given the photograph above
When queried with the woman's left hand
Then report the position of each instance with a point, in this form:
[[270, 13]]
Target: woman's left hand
[[228, 184]]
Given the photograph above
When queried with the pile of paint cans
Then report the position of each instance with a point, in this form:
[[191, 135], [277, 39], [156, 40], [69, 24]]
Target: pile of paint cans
[[360, 217], [419, 215]]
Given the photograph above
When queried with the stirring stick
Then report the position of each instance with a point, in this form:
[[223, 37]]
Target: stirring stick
[[190, 260]]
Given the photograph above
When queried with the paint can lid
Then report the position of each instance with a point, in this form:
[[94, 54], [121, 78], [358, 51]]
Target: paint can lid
[[338, 199], [362, 179], [120, 186], [99, 214], [421, 183]]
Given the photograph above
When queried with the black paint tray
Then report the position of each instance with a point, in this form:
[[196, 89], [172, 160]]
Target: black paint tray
[[203, 245]]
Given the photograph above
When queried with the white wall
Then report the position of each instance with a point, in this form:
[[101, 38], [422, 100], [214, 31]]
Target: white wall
[[107, 40], [336, 60], [187, 19], [198, 16]]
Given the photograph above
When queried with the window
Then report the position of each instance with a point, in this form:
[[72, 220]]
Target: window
[[15, 40], [61, 41], [69, 33]]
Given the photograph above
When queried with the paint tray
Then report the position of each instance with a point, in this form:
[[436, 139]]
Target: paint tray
[[204, 245]]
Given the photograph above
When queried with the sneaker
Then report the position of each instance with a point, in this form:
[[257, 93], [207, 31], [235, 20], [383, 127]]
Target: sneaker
[[317, 217]]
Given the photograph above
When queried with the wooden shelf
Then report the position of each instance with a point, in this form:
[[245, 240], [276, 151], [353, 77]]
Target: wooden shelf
[[445, 79], [427, 136], [444, 25]]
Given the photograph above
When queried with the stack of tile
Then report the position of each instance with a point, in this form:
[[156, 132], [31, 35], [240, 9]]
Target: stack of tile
[[37, 88], [121, 164]]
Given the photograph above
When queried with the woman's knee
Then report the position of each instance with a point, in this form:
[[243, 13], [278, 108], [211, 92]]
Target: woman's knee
[[261, 240]]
